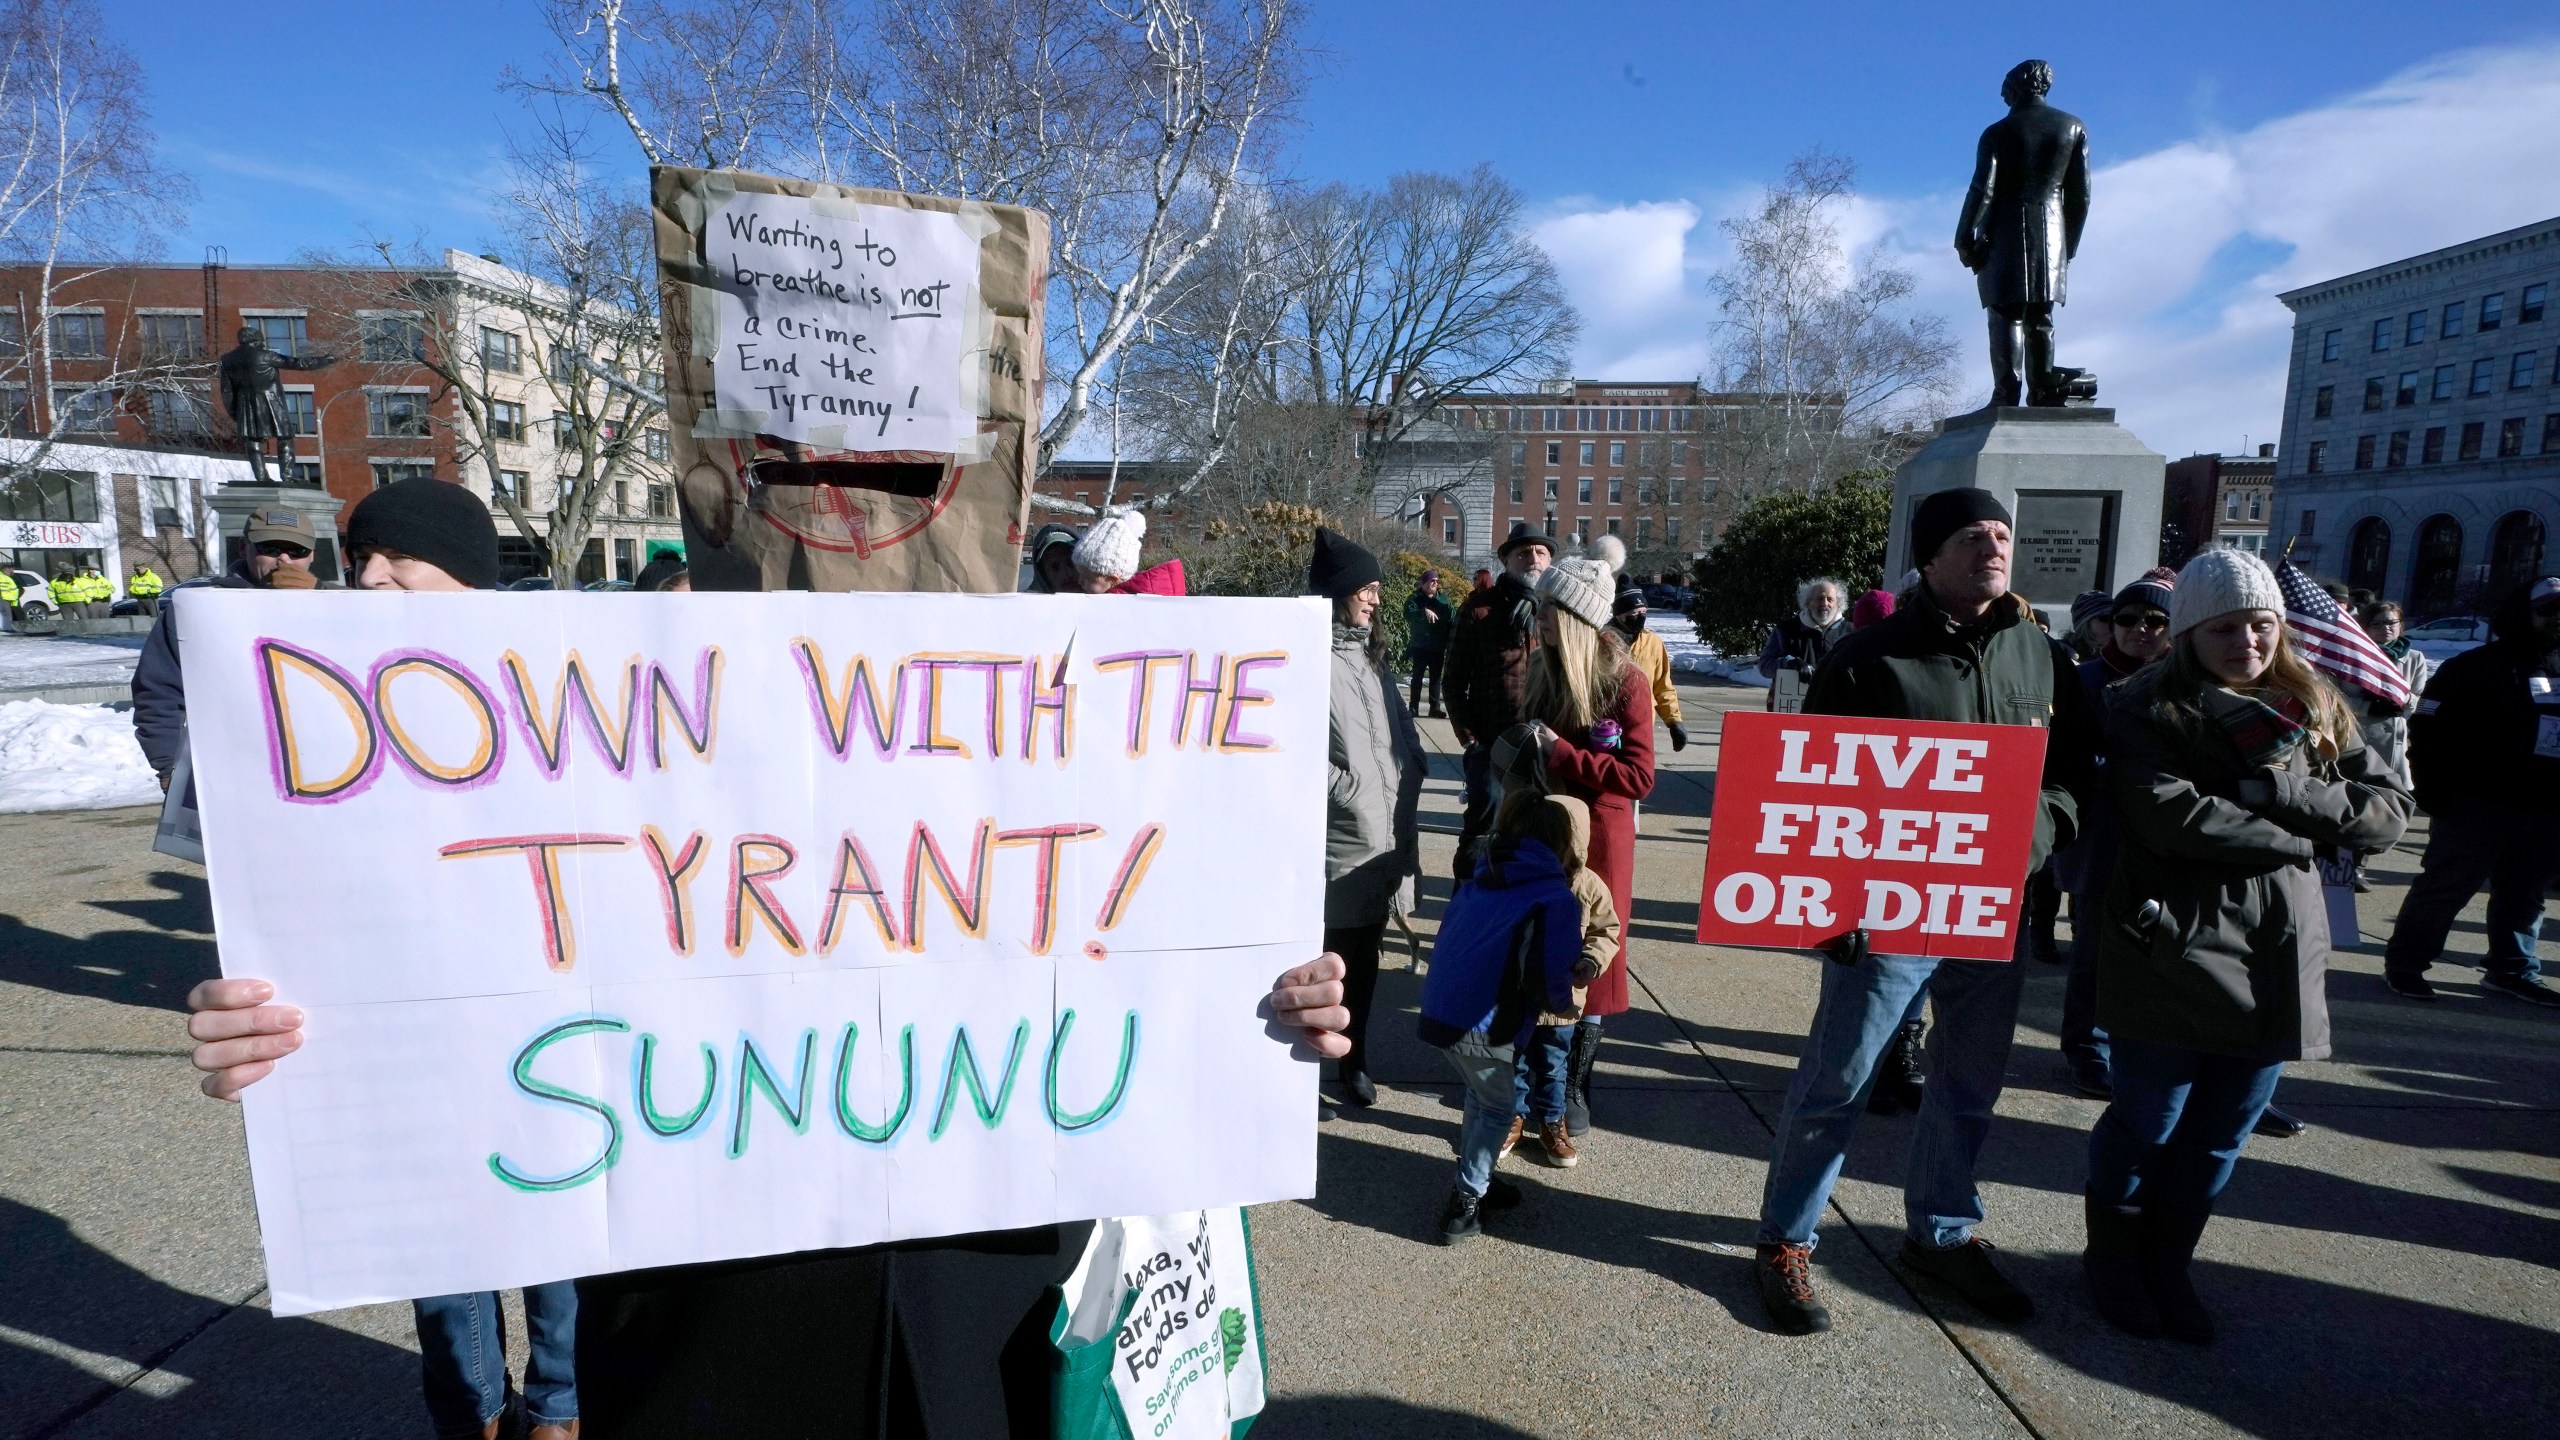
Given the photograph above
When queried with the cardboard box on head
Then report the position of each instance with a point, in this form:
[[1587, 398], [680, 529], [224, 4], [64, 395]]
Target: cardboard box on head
[[853, 381]]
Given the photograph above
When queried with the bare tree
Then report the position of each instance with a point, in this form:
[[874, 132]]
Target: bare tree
[[1824, 365]]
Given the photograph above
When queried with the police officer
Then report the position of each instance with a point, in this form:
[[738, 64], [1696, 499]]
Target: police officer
[[8, 594], [66, 591], [145, 586]]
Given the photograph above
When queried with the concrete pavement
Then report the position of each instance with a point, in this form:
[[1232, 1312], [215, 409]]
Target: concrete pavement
[[2390, 1272]]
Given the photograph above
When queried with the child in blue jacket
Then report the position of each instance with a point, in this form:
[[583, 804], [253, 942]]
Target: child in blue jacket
[[1506, 951]]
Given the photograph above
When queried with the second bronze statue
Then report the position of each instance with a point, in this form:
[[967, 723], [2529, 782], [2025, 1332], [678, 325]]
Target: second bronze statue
[[2020, 227]]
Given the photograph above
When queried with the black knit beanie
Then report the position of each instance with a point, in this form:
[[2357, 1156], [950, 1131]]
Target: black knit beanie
[[1340, 566], [433, 520], [1945, 512]]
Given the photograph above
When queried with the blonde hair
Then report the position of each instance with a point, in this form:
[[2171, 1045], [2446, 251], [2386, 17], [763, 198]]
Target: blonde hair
[[2184, 676], [1576, 680]]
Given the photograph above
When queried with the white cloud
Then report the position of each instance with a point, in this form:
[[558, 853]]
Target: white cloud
[[2173, 296]]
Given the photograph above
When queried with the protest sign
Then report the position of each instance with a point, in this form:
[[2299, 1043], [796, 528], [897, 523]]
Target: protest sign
[[651, 930], [853, 381], [1915, 830]]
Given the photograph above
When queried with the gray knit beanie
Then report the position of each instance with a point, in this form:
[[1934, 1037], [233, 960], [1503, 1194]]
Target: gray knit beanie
[[2217, 582], [1587, 586]]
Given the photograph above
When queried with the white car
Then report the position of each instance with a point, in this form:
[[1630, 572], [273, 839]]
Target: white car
[[2441, 640], [35, 601]]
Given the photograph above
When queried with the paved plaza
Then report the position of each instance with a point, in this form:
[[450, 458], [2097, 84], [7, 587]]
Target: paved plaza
[[2390, 1273]]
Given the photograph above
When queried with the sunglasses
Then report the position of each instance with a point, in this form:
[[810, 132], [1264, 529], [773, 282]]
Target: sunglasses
[[2146, 620], [284, 548]]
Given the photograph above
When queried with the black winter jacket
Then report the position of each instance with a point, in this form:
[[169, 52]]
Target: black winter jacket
[[159, 691], [2472, 739]]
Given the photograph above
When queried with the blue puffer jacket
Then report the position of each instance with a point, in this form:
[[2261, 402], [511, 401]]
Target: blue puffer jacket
[[1506, 948]]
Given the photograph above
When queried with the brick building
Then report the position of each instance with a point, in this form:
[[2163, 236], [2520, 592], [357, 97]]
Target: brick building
[[2225, 500]]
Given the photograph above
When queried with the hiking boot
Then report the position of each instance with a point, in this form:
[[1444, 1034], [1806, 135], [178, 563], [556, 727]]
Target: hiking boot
[[1577, 1079], [2168, 1251], [1462, 1217], [1785, 1276], [1558, 1145], [2409, 987], [1512, 1140], [1899, 1075], [1967, 1270], [2113, 1264], [2278, 1125], [2526, 988]]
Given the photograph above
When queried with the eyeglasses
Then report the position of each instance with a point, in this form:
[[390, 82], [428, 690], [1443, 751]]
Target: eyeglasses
[[2143, 620], [284, 548]]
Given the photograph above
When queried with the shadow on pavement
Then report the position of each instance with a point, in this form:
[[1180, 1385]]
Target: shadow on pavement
[[129, 967], [1373, 1417]]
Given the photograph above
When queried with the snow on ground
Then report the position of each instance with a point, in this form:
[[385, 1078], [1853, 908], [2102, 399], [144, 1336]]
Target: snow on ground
[[1692, 656], [35, 662], [70, 757]]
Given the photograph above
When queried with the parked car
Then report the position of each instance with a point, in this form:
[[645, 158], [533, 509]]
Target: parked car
[[530, 582], [35, 608], [606, 586], [2442, 639]]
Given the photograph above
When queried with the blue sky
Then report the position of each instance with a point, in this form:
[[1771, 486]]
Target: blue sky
[[2242, 148]]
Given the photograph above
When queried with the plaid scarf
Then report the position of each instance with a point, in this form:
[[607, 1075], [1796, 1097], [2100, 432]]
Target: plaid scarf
[[2263, 725]]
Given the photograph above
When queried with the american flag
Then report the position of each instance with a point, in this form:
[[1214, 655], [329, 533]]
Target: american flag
[[2332, 640]]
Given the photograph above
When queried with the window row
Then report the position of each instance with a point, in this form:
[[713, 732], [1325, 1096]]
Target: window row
[[2516, 547], [2523, 370], [2447, 323], [1581, 532], [1648, 452], [1672, 491], [2469, 444], [1585, 418]]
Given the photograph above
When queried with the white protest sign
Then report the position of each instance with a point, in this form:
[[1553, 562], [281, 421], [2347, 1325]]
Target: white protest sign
[[644, 930], [845, 326]]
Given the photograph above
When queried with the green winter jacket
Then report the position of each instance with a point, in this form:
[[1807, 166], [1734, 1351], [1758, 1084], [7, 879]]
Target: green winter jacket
[[1916, 664], [2236, 959]]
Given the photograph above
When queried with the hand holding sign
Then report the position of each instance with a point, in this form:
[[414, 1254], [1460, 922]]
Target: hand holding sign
[[1916, 832]]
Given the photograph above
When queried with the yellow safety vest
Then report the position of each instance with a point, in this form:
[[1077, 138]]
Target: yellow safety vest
[[143, 585], [8, 589], [65, 591], [97, 588]]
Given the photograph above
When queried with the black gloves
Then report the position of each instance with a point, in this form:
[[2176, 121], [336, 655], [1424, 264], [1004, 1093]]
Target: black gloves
[[1679, 737], [1849, 948]]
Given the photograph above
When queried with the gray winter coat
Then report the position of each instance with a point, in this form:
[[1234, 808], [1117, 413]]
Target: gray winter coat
[[1375, 788], [2236, 959]]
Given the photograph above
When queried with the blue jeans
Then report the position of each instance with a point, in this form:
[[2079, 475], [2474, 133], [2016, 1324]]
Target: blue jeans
[[2515, 852], [1976, 1004], [1538, 1087], [2175, 1127], [1486, 1070], [462, 1357], [2084, 1042]]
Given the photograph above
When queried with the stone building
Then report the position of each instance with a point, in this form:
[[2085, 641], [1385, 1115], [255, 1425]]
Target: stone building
[[2421, 450]]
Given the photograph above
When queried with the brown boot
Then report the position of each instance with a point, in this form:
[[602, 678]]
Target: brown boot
[[1512, 1140], [1559, 1145]]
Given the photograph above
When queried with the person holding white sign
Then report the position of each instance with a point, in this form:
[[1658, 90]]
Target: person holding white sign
[[1961, 648], [2235, 767]]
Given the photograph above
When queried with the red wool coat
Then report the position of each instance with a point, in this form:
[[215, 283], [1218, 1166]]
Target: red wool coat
[[1611, 783]]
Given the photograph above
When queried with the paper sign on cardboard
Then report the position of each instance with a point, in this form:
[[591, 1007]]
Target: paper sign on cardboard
[[1917, 831], [658, 929]]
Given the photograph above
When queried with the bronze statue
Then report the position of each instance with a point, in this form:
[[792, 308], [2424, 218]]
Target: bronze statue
[[251, 381], [2021, 226]]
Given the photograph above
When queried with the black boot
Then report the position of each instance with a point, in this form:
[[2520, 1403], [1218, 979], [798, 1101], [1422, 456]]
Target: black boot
[[2168, 1250], [2113, 1263], [1577, 1079], [1899, 1074]]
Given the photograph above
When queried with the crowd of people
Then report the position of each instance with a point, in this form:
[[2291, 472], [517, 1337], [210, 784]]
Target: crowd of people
[[2196, 774]]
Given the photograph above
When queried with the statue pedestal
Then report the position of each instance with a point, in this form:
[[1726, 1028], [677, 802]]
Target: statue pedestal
[[2085, 491], [233, 503]]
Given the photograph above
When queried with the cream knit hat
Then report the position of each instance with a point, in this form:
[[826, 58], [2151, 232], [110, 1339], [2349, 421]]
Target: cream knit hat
[[2217, 582], [1111, 546], [1587, 586]]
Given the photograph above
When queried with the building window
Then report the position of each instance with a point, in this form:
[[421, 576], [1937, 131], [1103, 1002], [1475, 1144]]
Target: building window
[[1671, 531], [1582, 532], [2551, 433], [564, 434], [2394, 458], [13, 332], [179, 414], [1516, 487], [65, 496], [1679, 452], [1678, 483], [2381, 336], [2304, 529], [2520, 371], [1613, 524], [170, 339], [395, 413], [514, 485], [2329, 345], [2417, 328], [79, 335], [506, 420], [662, 502], [2492, 309], [1617, 491], [2231, 505], [1644, 492], [2434, 578], [2368, 553], [284, 334], [1617, 452], [2408, 388], [2373, 393], [2433, 452], [2511, 437], [2444, 384], [1582, 489], [1648, 452], [1588, 446], [565, 369], [2364, 452], [1644, 530], [1555, 452], [2258, 498], [1448, 529], [2319, 460], [2452, 321], [391, 339], [2484, 374], [1519, 453], [392, 472], [2471, 433], [1552, 483], [501, 349], [2529, 304], [2323, 400], [80, 408], [301, 411]]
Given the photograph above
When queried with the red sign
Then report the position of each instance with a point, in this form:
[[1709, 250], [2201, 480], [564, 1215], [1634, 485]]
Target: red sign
[[1916, 830]]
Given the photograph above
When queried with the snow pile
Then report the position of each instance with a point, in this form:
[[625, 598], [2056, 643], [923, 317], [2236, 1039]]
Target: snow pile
[[32, 662], [70, 757], [1692, 656]]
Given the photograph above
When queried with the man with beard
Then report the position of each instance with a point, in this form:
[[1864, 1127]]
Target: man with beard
[[1488, 667]]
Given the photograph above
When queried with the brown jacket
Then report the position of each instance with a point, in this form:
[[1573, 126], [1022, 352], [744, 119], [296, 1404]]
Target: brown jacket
[[1488, 668]]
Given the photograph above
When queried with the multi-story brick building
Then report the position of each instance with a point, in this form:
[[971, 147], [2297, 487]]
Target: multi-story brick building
[[2422, 422], [2209, 500], [124, 355]]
